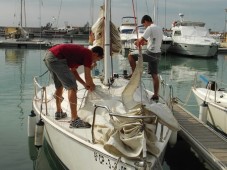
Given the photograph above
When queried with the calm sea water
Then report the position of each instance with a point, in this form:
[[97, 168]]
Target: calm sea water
[[17, 68]]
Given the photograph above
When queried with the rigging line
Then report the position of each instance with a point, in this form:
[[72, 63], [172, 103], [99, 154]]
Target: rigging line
[[59, 11], [92, 13], [40, 22], [147, 6], [165, 52]]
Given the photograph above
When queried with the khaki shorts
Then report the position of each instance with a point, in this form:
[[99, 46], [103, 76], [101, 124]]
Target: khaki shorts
[[60, 72], [151, 58]]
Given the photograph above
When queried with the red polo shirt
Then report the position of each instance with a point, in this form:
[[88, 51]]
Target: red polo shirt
[[75, 55]]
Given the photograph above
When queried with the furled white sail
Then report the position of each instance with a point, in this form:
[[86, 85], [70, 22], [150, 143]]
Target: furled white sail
[[98, 31]]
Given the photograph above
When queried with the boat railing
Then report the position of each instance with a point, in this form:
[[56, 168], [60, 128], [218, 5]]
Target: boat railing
[[166, 96], [43, 97], [210, 85]]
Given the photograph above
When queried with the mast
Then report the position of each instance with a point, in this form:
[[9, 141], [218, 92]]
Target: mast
[[25, 23], [22, 12], [107, 61]]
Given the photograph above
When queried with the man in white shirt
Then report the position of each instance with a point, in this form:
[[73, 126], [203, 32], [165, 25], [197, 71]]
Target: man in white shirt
[[152, 36]]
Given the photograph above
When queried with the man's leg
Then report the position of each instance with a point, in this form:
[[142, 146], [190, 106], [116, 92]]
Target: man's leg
[[73, 103], [155, 84], [153, 61], [76, 122], [58, 96], [132, 62]]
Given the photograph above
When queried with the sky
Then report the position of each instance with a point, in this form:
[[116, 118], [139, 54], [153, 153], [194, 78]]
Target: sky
[[79, 12]]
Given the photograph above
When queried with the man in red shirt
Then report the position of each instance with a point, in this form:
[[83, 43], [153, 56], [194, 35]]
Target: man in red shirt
[[62, 61]]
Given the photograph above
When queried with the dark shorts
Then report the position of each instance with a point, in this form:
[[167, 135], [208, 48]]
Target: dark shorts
[[60, 72], [151, 58]]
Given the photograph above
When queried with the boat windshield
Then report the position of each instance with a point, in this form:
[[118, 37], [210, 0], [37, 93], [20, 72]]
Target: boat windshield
[[126, 31]]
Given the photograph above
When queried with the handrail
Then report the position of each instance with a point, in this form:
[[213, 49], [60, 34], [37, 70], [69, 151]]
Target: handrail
[[93, 122], [116, 115], [36, 82], [133, 116]]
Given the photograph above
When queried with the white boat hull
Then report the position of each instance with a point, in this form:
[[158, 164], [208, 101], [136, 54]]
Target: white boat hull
[[77, 153], [192, 39], [217, 111], [194, 49]]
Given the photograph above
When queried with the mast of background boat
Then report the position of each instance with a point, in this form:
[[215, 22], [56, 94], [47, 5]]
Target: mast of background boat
[[107, 63], [155, 18], [21, 15]]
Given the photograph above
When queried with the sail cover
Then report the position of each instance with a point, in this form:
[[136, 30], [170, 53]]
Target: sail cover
[[98, 31]]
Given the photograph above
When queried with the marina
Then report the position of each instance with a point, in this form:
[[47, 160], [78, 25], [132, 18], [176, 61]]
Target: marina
[[125, 129], [16, 95]]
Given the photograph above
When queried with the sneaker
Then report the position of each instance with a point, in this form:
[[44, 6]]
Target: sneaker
[[155, 98], [60, 115], [78, 123]]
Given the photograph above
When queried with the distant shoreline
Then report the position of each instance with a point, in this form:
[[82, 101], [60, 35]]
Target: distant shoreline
[[38, 32]]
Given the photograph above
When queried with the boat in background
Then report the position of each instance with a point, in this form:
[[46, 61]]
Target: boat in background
[[129, 131], [18, 37], [212, 100], [128, 25], [60, 31], [192, 39]]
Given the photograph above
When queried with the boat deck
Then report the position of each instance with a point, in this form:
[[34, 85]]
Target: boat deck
[[211, 146]]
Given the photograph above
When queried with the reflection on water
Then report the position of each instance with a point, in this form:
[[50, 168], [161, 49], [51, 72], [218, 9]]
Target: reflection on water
[[44, 158], [191, 62], [16, 57]]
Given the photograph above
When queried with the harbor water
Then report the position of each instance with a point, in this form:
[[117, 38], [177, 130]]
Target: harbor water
[[17, 68]]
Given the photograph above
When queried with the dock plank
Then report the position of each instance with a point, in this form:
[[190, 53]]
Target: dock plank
[[210, 145]]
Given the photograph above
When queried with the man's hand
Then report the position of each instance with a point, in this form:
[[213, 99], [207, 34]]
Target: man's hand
[[91, 87], [140, 42]]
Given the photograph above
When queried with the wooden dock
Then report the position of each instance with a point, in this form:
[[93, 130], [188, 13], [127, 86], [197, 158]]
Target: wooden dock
[[222, 50], [32, 44], [206, 142], [24, 44]]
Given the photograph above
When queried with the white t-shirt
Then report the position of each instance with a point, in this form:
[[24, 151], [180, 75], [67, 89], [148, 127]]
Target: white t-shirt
[[153, 34]]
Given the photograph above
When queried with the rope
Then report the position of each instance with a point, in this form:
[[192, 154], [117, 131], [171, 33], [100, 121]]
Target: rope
[[43, 73], [62, 98], [115, 167], [59, 13], [82, 98]]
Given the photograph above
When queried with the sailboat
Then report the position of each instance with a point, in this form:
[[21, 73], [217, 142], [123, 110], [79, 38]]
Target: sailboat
[[128, 130]]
